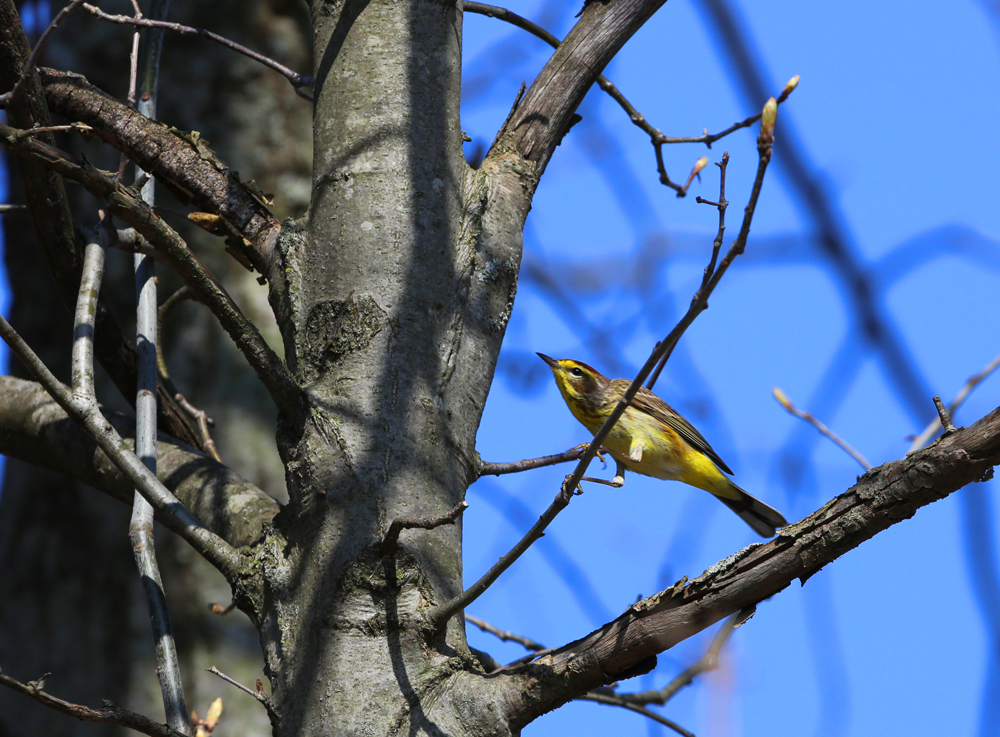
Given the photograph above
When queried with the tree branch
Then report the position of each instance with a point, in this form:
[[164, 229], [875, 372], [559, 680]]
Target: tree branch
[[34, 429], [882, 497], [123, 202], [109, 714], [297, 81], [53, 224], [440, 614], [544, 115], [213, 548], [791, 409], [499, 469], [931, 430], [657, 138], [183, 162]]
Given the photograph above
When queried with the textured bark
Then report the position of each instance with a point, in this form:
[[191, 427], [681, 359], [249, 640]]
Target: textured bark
[[180, 160], [35, 429]]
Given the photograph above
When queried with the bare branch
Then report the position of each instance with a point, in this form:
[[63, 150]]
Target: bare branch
[[140, 529], [298, 81], [259, 695], [505, 636], [657, 138], [34, 429], [932, 429], [123, 202], [108, 714], [181, 161], [785, 402], [545, 113], [215, 550], [391, 537], [881, 498], [648, 713], [86, 312], [499, 469]]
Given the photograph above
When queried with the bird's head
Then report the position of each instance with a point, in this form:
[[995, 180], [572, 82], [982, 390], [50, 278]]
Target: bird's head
[[577, 381]]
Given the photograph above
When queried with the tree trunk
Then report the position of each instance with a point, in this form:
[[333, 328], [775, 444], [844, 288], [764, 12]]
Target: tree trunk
[[397, 366]]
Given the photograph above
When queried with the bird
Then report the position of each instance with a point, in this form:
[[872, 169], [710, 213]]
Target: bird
[[651, 438]]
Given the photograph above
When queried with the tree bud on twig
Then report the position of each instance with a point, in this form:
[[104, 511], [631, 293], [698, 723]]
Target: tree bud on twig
[[789, 88], [769, 115], [782, 399]]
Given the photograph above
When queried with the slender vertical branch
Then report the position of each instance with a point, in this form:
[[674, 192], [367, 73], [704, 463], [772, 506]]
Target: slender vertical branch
[[82, 361], [141, 525]]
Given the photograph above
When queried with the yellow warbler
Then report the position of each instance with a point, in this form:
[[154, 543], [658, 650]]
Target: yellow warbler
[[651, 438]]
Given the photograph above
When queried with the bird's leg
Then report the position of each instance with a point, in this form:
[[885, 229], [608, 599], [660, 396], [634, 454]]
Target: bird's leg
[[617, 482]]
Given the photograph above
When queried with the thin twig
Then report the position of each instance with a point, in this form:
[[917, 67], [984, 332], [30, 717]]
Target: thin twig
[[11, 209], [708, 661], [168, 306], [29, 63], [648, 713], [932, 429], [297, 80], [439, 615], [399, 524], [108, 714], [785, 402], [505, 636], [656, 137], [200, 417], [203, 420], [170, 509], [498, 469], [944, 417], [256, 694], [43, 129], [721, 206]]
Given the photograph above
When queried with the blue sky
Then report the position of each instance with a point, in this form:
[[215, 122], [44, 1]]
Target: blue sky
[[897, 122]]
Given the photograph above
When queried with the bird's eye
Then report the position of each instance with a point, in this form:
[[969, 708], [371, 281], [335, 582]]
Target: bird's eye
[[576, 371]]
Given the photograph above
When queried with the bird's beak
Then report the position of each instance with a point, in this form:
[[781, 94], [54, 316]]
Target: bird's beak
[[553, 363]]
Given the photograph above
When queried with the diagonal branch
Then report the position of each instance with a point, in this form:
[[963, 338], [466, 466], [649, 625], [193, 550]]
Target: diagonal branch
[[108, 714], [439, 615], [174, 514], [124, 202], [881, 498], [34, 429], [545, 114], [183, 162]]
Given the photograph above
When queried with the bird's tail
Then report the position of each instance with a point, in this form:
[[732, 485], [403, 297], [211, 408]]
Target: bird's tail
[[763, 519]]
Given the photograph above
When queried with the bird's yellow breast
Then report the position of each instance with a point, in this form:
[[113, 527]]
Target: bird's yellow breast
[[665, 455]]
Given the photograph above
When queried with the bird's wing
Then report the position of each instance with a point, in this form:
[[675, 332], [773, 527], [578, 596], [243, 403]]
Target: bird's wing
[[646, 401]]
